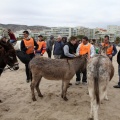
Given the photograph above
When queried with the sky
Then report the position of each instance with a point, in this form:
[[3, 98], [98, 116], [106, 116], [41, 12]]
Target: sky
[[53, 13]]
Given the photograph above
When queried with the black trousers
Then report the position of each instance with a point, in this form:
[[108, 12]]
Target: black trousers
[[78, 77], [49, 53], [27, 67]]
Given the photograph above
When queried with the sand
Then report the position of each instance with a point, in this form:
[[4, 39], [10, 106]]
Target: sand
[[18, 105]]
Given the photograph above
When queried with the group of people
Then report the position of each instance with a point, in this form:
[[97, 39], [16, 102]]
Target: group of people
[[63, 49]]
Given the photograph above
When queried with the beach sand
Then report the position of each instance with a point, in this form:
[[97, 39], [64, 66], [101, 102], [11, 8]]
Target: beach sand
[[18, 105]]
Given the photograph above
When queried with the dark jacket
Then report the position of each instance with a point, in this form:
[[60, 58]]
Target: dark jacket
[[114, 50], [58, 48], [118, 57], [72, 49]]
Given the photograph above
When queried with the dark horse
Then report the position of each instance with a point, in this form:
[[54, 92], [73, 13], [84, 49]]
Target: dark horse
[[7, 56]]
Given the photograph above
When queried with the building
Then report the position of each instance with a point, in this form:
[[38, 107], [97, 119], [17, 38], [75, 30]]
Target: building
[[112, 28], [55, 31]]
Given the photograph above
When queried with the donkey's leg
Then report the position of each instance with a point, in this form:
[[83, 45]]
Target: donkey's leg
[[37, 87], [95, 109], [32, 89], [62, 88], [90, 89], [106, 97], [66, 83]]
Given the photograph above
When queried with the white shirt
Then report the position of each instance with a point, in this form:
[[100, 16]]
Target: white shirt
[[92, 50]]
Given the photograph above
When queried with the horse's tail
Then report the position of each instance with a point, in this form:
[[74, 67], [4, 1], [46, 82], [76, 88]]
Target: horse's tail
[[96, 81]]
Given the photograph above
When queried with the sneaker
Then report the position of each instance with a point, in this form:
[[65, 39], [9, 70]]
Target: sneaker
[[116, 86], [77, 83], [84, 83]]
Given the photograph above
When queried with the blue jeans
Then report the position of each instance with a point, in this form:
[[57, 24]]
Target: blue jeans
[[12, 41]]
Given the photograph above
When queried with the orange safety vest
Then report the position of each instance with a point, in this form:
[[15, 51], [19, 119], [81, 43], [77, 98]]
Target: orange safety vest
[[42, 46], [109, 50], [29, 43], [84, 49]]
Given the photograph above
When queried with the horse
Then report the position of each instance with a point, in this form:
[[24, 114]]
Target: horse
[[55, 69], [99, 73]]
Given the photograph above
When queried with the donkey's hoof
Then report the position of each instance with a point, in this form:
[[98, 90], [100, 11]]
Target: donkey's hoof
[[40, 95], [61, 96], [65, 98], [0, 101], [90, 119], [34, 99]]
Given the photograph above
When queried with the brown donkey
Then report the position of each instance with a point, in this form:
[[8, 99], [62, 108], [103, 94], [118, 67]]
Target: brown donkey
[[99, 72], [55, 69]]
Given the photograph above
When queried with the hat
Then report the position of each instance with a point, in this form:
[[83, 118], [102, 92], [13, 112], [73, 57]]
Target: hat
[[40, 36]]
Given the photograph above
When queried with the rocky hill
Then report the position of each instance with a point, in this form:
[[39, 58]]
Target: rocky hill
[[15, 27]]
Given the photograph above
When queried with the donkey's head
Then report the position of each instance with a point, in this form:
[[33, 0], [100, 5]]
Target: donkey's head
[[103, 49], [8, 56]]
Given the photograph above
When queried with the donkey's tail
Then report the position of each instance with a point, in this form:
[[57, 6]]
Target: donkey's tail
[[96, 82]]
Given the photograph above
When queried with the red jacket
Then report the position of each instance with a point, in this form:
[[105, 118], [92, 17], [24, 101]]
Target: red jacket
[[12, 36]]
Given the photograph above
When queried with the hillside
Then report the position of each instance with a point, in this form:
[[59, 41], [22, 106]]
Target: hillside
[[15, 27]]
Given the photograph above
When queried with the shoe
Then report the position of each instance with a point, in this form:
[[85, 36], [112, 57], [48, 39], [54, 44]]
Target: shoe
[[70, 83], [77, 83], [116, 86], [84, 83]]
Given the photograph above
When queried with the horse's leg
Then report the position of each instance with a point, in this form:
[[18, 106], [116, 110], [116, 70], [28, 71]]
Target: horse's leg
[[66, 83], [37, 87]]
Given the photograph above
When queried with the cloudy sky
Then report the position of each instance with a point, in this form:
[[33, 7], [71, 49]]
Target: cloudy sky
[[88, 13]]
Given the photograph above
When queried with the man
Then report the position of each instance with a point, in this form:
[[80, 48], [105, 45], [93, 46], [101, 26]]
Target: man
[[42, 46], [69, 49], [50, 45], [28, 45], [111, 51], [12, 36], [58, 48], [118, 61], [84, 48]]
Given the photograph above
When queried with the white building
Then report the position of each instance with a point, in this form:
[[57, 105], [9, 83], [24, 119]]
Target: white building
[[112, 28]]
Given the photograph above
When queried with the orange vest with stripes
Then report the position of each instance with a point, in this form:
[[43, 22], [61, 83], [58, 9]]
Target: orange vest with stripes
[[29, 43]]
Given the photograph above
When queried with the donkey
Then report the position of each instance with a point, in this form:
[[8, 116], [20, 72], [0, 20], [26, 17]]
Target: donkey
[[7, 56], [55, 69], [99, 72]]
